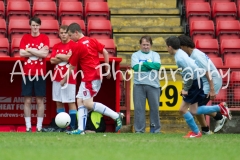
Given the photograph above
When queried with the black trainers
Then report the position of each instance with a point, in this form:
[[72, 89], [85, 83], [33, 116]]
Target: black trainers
[[29, 130]]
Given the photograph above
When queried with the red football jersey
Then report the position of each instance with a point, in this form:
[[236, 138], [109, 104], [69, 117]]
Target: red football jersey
[[33, 65], [88, 58], [62, 48]]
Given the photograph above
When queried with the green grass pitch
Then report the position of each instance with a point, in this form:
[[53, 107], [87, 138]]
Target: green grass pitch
[[123, 146]]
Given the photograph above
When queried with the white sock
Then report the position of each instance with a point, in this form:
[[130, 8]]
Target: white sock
[[39, 123], [101, 108], [82, 117], [28, 122]]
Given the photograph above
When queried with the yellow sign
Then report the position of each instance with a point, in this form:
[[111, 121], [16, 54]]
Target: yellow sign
[[170, 98]]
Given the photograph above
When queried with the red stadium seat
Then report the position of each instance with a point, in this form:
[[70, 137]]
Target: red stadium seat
[[230, 48], [224, 11], [18, 10], [208, 46], [198, 11], [3, 28], [202, 30], [225, 74], [235, 78], [109, 46], [15, 47], [45, 10], [221, 96], [99, 29], [70, 11], [236, 94], [227, 30], [4, 47], [52, 42], [86, 1], [217, 61], [232, 62], [214, 1], [80, 22], [50, 27], [17, 28], [189, 1], [2, 10], [97, 10]]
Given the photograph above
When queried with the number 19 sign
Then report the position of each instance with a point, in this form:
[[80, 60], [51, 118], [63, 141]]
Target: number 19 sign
[[170, 99]]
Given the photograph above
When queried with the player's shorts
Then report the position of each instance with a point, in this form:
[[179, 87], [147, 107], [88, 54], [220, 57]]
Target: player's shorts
[[65, 95], [89, 89], [195, 94], [34, 87], [204, 101]]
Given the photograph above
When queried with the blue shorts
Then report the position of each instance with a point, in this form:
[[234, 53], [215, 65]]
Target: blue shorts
[[34, 87], [204, 101], [195, 94]]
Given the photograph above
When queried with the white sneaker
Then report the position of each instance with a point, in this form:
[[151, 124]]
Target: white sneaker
[[207, 133], [220, 124]]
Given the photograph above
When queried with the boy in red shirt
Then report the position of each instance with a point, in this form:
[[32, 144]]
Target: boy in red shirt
[[60, 55], [85, 53], [34, 47]]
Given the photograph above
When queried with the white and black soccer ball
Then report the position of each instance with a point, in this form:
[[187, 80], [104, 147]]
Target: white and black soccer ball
[[62, 120]]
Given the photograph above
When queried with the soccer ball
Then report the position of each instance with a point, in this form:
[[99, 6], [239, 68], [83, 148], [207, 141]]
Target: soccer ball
[[62, 120]]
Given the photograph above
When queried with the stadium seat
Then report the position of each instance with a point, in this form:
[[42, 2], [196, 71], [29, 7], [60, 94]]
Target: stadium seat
[[208, 46], [70, 11], [52, 42], [232, 62], [202, 30], [80, 22], [45, 10], [217, 61], [225, 74], [189, 1], [99, 29], [3, 28], [15, 47], [109, 46], [221, 96], [230, 48], [17, 28], [198, 11], [214, 1], [235, 78], [97, 10], [4, 47], [50, 27], [236, 94], [86, 1], [224, 11], [18, 10], [2, 10], [227, 30]]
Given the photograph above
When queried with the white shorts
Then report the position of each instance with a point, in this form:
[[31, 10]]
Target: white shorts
[[89, 89], [66, 95]]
